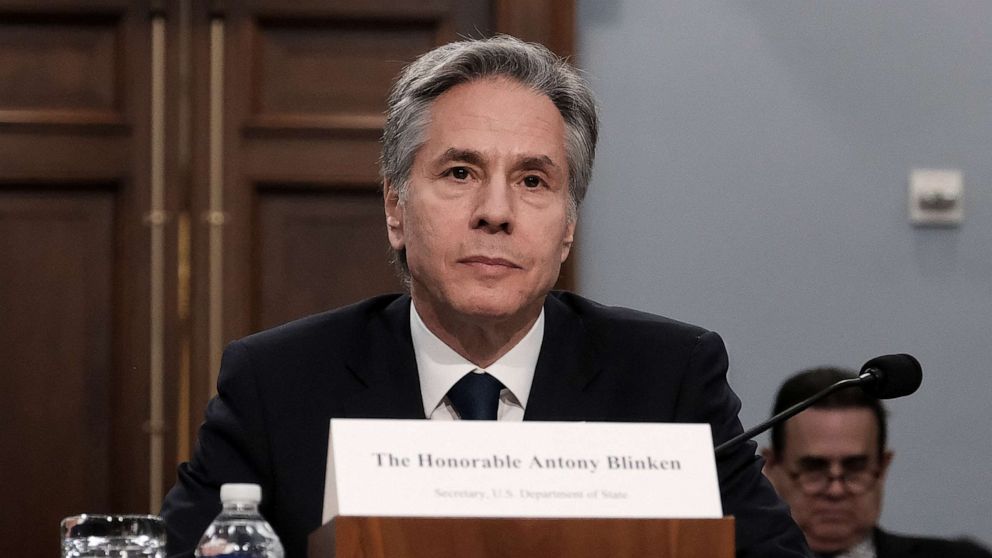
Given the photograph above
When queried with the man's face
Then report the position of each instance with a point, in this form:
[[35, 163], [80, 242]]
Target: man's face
[[833, 441], [485, 223]]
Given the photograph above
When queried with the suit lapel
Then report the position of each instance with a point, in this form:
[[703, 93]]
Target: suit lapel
[[385, 364], [887, 545], [567, 364]]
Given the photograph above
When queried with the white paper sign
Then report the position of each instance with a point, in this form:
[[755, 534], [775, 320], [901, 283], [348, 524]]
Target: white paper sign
[[520, 469]]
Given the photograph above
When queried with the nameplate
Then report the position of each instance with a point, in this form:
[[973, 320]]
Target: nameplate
[[424, 468]]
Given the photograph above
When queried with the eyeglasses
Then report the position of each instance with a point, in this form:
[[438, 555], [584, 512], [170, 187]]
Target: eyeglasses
[[816, 481]]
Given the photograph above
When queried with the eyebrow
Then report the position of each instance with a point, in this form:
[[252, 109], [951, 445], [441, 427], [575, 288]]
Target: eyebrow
[[541, 162], [473, 157], [847, 462], [469, 156]]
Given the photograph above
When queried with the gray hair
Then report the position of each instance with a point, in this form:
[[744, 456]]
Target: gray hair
[[531, 64]]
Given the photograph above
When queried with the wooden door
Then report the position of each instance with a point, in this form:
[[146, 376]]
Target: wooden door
[[84, 328], [175, 174]]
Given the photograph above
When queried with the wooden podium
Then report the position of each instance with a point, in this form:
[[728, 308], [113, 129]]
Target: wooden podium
[[438, 537]]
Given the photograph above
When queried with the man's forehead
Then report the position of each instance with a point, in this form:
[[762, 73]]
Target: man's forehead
[[496, 102], [832, 433], [483, 120]]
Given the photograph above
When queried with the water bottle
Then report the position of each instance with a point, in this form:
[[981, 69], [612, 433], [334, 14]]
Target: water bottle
[[240, 531]]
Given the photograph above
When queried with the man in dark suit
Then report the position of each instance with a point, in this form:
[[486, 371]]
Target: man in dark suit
[[487, 154], [829, 463]]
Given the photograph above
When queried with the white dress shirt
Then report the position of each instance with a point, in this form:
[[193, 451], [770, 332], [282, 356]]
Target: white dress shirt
[[440, 367], [864, 549]]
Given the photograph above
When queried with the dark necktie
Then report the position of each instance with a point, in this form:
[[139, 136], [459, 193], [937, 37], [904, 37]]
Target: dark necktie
[[476, 396]]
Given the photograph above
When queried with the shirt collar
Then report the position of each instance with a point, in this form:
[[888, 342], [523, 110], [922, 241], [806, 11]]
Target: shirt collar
[[439, 366], [864, 549]]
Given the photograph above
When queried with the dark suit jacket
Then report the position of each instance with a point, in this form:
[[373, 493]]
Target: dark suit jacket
[[279, 388], [888, 545]]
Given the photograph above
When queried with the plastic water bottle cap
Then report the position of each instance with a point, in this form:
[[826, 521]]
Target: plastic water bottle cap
[[237, 492]]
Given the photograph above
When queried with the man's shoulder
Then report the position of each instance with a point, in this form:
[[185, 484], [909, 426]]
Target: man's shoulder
[[338, 327], [893, 545], [602, 318]]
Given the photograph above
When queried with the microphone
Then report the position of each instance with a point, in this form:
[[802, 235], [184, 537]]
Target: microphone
[[891, 376], [884, 377]]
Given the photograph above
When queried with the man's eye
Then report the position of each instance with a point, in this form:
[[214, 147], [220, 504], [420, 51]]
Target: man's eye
[[459, 173], [533, 181]]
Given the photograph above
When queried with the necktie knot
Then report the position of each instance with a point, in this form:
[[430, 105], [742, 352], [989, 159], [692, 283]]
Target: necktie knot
[[476, 396]]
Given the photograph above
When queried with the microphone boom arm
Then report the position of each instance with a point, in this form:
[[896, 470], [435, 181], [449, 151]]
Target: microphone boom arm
[[790, 412]]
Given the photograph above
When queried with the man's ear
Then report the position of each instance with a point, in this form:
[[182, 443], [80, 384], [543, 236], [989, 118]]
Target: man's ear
[[394, 215], [883, 466], [769, 455], [773, 467], [568, 240]]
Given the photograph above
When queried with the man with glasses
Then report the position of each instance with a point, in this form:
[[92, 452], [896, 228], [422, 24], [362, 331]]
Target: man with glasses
[[829, 464]]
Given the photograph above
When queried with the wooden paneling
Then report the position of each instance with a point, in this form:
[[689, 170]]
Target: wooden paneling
[[75, 223], [414, 537], [43, 155], [332, 67], [314, 156], [318, 249], [549, 22], [56, 285], [56, 68]]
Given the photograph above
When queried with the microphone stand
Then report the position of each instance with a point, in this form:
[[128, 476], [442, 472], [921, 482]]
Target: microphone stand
[[723, 448]]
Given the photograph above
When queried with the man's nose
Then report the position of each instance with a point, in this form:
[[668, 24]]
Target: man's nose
[[836, 487], [494, 206]]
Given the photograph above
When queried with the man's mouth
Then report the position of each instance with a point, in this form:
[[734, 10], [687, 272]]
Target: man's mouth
[[489, 262], [834, 516]]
